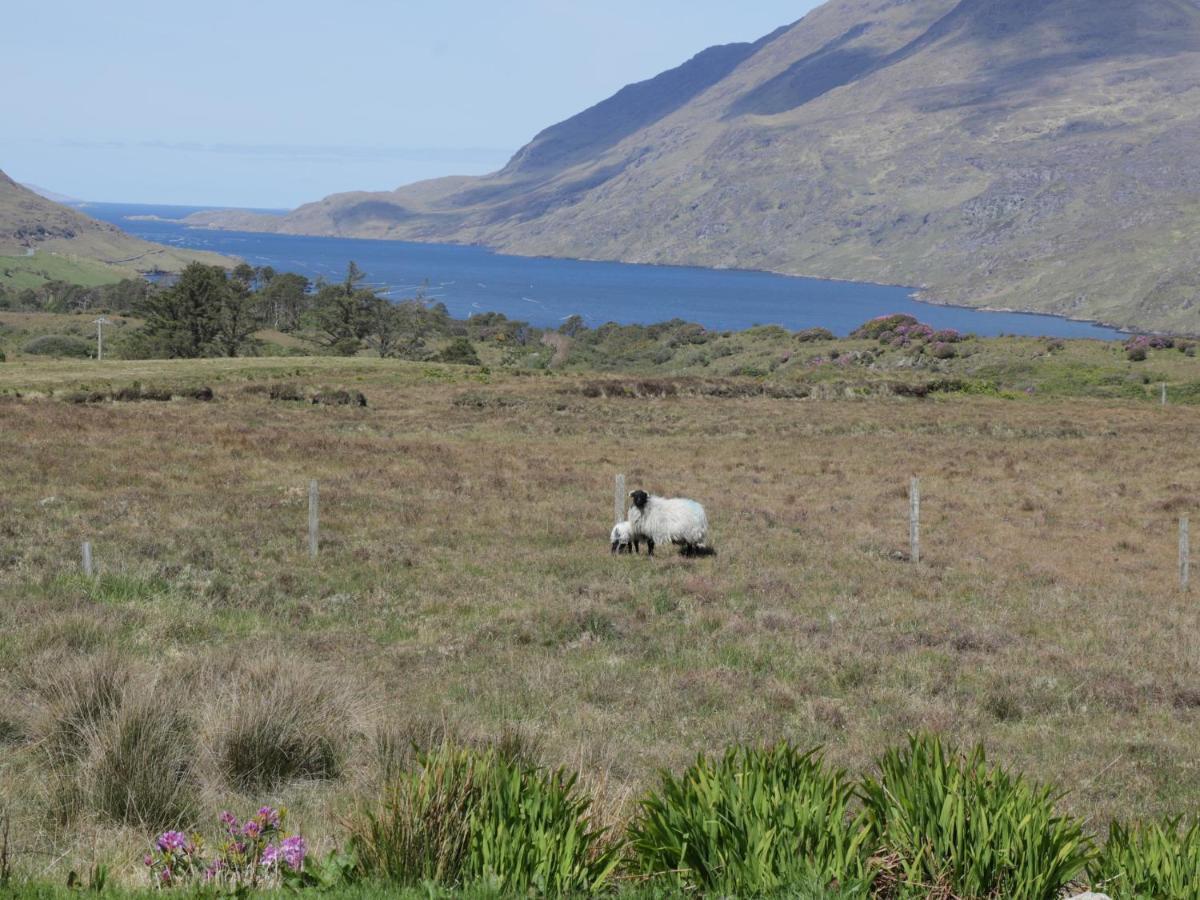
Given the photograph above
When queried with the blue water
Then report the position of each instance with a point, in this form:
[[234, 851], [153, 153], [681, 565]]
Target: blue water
[[546, 291]]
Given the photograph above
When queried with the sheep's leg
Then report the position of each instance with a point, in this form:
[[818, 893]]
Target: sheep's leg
[[637, 547], [649, 546], [616, 546]]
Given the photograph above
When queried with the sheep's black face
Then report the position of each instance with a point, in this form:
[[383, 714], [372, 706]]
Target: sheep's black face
[[639, 498]]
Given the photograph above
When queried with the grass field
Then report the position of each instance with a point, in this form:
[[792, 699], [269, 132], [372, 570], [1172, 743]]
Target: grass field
[[465, 584], [19, 272]]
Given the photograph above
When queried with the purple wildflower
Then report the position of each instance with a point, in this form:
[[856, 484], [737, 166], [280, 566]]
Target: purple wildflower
[[252, 829], [294, 850], [269, 816], [170, 841], [230, 822], [148, 860], [270, 856]]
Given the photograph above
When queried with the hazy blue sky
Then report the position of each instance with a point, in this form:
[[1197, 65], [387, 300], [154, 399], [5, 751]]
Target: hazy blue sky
[[275, 102]]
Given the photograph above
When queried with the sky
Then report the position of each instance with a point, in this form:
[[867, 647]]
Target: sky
[[272, 103]]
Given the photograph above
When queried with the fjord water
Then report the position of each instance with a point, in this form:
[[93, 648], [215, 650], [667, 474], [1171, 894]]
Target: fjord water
[[545, 291]]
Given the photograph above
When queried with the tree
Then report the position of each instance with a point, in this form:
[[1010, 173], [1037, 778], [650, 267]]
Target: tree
[[183, 320], [284, 300], [385, 327], [244, 274], [237, 319], [203, 314], [342, 313]]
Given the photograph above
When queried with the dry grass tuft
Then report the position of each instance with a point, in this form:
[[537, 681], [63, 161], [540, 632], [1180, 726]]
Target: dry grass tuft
[[276, 720]]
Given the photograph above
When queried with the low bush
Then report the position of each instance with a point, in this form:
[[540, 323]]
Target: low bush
[[60, 345], [810, 335], [1153, 860], [460, 351], [947, 824], [873, 329], [752, 822]]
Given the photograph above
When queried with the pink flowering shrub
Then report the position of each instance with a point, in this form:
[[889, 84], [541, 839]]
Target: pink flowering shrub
[[1139, 345], [251, 854], [877, 326]]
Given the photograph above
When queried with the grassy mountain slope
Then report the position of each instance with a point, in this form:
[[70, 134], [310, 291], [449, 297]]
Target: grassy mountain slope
[[42, 240], [1032, 154]]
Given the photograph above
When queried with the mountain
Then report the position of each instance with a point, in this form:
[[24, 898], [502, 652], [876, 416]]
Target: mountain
[[32, 227], [49, 194], [1027, 154]]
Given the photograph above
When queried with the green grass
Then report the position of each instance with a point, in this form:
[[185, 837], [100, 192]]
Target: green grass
[[20, 272]]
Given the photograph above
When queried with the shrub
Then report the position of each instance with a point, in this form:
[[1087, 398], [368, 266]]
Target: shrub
[[1138, 346], [954, 826], [1151, 860], [468, 817], [279, 723], [460, 351], [753, 822], [63, 345], [940, 350], [286, 391], [810, 335], [877, 326]]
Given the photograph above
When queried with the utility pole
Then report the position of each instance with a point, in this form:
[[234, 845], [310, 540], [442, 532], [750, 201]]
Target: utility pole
[[100, 323]]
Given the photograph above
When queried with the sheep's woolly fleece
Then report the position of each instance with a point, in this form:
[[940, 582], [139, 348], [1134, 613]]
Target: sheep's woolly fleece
[[671, 521]]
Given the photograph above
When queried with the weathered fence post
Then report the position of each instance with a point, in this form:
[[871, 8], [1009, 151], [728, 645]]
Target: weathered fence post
[[619, 499], [914, 520], [314, 503], [1185, 553], [87, 559]]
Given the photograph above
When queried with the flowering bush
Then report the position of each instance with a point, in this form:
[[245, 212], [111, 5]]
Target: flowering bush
[[254, 853], [877, 326], [1139, 345]]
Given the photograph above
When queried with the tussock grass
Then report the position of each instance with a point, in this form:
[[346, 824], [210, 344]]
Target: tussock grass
[[116, 745], [275, 720], [140, 766]]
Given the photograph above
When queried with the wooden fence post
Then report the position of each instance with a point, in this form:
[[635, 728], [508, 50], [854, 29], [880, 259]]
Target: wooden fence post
[[313, 519], [619, 500], [87, 559], [914, 520], [1185, 553]]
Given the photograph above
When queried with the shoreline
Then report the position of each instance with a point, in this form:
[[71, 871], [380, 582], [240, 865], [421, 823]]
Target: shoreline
[[915, 294]]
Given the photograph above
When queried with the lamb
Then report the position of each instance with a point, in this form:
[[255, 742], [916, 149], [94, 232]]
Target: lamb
[[674, 520], [623, 540]]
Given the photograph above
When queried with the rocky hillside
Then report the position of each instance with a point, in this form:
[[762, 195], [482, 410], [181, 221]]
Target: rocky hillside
[[31, 222], [1030, 154]]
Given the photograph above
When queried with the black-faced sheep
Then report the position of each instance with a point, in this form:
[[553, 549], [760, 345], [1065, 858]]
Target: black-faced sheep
[[675, 520]]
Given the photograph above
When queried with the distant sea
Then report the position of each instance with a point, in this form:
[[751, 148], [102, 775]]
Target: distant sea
[[544, 292]]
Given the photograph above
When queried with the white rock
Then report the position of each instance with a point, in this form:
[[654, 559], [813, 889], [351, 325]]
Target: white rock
[[1090, 896]]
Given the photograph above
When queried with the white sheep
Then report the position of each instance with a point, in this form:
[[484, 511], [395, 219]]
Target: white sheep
[[623, 540], [662, 520]]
